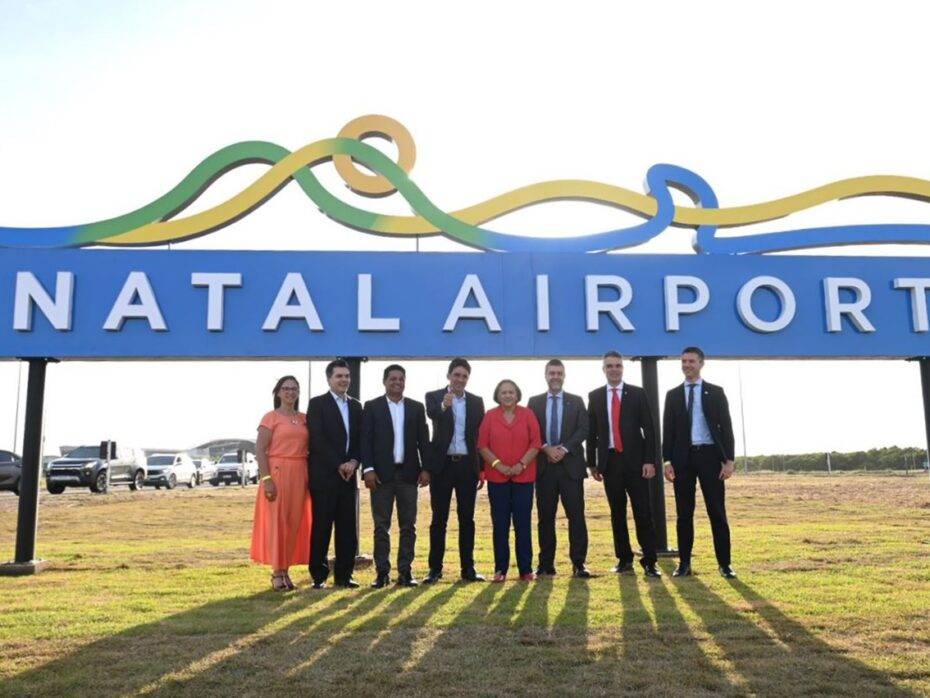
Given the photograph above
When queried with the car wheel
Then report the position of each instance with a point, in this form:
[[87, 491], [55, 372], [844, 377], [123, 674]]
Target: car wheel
[[215, 483], [100, 483], [54, 488], [138, 480], [16, 488], [157, 487], [192, 483], [172, 481]]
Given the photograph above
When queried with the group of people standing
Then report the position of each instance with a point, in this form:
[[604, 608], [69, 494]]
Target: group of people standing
[[309, 463]]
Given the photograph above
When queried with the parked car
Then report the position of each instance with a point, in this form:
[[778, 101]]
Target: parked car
[[83, 467], [206, 470], [11, 470], [169, 469], [232, 466]]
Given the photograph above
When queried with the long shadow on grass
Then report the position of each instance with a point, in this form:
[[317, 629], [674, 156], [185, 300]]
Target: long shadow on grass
[[796, 663], [283, 658], [804, 643], [131, 660]]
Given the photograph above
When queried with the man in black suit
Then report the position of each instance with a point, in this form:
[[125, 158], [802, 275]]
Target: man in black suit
[[334, 420], [621, 453], [560, 472], [698, 446], [395, 441], [454, 467]]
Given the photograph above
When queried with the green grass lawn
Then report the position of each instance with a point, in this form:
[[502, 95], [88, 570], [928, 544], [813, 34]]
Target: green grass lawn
[[152, 593]]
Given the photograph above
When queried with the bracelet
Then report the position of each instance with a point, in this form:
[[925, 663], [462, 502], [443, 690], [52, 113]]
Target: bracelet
[[495, 463], [266, 477]]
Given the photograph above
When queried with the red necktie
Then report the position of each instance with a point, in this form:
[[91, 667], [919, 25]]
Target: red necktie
[[615, 420]]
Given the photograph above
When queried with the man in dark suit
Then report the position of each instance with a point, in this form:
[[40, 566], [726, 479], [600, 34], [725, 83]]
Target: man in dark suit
[[454, 467], [395, 441], [698, 446], [560, 470], [334, 420], [621, 453]]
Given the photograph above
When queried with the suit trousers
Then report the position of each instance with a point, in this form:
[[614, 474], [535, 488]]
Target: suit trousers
[[333, 507], [512, 501], [622, 481], [553, 483], [382, 510], [703, 466], [456, 476]]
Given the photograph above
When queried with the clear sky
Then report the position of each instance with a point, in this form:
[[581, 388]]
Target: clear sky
[[106, 105]]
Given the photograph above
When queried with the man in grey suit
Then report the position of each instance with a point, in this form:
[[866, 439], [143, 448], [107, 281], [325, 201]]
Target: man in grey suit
[[563, 422]]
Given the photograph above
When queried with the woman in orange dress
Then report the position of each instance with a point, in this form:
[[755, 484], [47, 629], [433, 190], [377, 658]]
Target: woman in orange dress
[[281, 529]]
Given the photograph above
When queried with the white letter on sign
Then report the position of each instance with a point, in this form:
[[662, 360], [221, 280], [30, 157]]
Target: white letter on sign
[[918, 289], [836, 309], [215, 284], [293, 285], [365, 321], [785, 298], [595, 306], [137, 286], [674, 308], [484, 311], [29, 291], [542, 303]]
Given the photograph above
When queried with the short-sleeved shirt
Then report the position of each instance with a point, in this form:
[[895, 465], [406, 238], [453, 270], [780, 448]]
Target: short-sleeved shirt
[[288, 440], [509, 442]]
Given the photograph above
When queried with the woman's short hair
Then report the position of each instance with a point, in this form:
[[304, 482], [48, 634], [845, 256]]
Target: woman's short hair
[[498, 389]]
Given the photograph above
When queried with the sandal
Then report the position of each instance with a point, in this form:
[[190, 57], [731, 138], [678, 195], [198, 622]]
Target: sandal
[[278, 582], [287, 580]]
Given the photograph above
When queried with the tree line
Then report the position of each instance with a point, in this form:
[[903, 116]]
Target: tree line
[[887, 458]]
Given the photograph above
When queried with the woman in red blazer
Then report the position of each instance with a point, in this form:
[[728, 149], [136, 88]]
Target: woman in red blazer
[[508, 441]]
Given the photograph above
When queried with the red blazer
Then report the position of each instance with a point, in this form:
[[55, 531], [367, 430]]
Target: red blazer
[[509, 441]]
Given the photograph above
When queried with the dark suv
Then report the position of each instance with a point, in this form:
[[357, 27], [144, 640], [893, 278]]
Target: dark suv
[[83, 467], [11, 471]]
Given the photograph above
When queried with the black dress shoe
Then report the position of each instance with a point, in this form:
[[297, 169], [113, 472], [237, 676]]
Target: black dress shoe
[[545, 571], [581, 573], [381, 581], [651, 571], [406, 580], [727, 572], [622, 567], [472, 576], [432, 577], [319, 585], [348, 584], [682, 571]]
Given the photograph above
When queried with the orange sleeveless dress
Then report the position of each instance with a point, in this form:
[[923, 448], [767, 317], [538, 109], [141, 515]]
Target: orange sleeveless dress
[[281, 529]]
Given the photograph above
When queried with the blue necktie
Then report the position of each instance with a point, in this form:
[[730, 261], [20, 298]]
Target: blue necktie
[[554, 421]]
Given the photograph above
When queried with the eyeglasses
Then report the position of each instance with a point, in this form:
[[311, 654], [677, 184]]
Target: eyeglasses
[[287, 389]]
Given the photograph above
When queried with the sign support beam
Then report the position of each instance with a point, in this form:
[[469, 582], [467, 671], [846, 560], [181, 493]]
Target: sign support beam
[[25, 561], [650, 366]]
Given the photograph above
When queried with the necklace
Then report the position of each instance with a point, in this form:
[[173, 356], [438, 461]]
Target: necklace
[[294, 419]]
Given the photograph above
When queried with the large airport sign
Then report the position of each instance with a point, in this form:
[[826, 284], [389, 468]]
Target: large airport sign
[[524, 296]]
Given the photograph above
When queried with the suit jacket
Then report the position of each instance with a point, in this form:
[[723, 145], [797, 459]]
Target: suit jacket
[[636, 427], [444, 425], [676, 432], [573, 430], [328, 440], [378, 440]]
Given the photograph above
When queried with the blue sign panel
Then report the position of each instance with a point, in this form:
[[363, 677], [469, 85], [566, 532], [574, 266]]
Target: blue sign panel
[[240, 304]]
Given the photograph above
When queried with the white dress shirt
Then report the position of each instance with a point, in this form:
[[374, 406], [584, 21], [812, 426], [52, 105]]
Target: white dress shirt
[[343, 404], [457, 446], [700, 432], [397, 420]]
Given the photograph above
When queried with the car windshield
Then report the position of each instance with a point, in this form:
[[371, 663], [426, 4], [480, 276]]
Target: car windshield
[[84, 452], [230, 458], [161, 460]]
